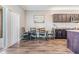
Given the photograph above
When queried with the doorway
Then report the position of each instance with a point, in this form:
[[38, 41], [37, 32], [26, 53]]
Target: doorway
[[12, 27]]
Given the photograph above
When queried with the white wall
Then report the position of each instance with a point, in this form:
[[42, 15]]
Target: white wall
[[7, 21], [1, 43], [20, 11], [49, 19]]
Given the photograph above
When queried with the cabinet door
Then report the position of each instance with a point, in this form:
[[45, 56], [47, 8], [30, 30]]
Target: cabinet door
[[58, 33], [60, 18], [70, 40], [76, 42], [55, 18], [64, 17], [63, 33]]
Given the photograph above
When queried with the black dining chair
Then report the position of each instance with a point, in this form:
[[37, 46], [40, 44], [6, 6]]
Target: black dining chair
[[33, 34], [24, 34], [43, 33]]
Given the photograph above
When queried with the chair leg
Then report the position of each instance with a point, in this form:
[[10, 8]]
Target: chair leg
[[46, 38], [35, 38], [30, 37]]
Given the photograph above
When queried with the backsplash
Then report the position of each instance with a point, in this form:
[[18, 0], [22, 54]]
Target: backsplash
[[49, 19]]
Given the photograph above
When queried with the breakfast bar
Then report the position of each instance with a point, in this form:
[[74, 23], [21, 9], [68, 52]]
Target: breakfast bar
[[73, 40]]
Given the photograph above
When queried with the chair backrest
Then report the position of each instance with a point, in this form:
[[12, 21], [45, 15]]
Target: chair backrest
[[42, 30], [32, 29], [53, 30], [23, 30]]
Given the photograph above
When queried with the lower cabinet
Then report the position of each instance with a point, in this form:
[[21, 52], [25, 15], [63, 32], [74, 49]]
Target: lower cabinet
[[60, 34], [73, 41]]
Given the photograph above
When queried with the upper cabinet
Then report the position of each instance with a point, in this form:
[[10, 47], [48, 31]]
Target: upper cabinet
[[65, 17]]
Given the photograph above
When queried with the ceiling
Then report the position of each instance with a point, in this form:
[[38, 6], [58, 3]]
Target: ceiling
[[35, 7], [50, 7]]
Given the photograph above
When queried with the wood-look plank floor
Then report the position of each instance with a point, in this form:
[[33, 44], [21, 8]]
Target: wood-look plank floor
[[57, 46]]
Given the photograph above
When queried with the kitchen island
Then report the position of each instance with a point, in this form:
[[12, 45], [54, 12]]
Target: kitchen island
[[73, 40]]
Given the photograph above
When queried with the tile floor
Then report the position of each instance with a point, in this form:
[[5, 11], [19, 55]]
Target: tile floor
[[58, 46]]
